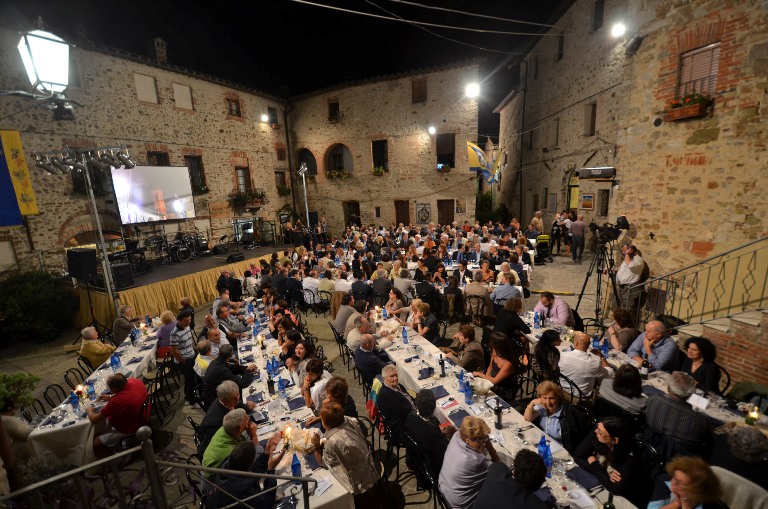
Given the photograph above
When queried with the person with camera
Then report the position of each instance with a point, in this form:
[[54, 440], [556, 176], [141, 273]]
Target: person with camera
[[629, 273]]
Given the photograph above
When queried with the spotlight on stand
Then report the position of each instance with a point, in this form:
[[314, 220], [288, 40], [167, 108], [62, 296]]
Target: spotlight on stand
[[109, 158], [124, 158], [97, 162], [59, 165], [45, 164]]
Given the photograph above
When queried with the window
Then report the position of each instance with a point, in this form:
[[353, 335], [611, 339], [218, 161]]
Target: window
[[233, 107], [419, 91], [603, 196], [597, 19], [378, 211], [182, 95], [158, 159], [590, 119], [280, 152], [338, 161], [334, 115], [196, 173], [446, 151], [280, 180], [380, 154], [272, 114], [146, 89], [535, 202], [698, 70], [560, 46], [243, 174], [554, 133]]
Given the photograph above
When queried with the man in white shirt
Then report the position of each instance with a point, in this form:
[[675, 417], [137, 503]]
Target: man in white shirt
[[343, 284], [363, 326], [583, 368], [310, 283], [628, 273]]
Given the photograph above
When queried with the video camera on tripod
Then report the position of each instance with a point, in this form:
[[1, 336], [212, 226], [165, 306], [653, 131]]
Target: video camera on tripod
[[609, 232]]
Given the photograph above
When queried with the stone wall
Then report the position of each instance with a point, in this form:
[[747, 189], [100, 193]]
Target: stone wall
[[383, 110]]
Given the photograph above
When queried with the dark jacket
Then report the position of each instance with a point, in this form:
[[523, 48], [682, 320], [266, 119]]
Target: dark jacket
[[707, 376], [427, 434], [625, 466], [219, 371], [575, 424], [361, 288], [500, 488], [369, 364], [213, 420], [510, 323], [279, 283], [241, 487], [394, 407], [381, 285], [294, 291]]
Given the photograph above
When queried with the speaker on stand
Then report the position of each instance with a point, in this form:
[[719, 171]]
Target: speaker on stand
[[81, 263], [122, 275]]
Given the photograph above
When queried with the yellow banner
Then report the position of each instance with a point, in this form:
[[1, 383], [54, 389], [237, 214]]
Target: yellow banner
[[13, 152]]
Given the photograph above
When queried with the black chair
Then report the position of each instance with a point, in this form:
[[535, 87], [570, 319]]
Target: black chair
[[475, 306], [323, 302], [195, 480], [526, 390], [84, 365], [443, 331], [310, 301], [485, 343], [34, 412], [394, 446], [649, 466], [579, 322], [422, 469], [572, 390], [605, 408], [725, 379], [379, 299], [73, 377], [54, 395], [197, 436], [327, 366], [339, 342], [367, 429]]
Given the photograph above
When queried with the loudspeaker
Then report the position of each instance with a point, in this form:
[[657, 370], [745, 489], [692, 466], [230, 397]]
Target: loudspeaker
[[247, 238], [313, 219], [219, 249], [81, 263], [235, 257], [122, 275]]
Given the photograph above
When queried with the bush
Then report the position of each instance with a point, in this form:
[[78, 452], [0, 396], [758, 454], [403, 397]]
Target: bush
[[33, 305]]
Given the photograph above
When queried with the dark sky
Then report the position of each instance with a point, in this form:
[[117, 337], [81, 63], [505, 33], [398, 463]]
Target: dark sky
[[286, 48]]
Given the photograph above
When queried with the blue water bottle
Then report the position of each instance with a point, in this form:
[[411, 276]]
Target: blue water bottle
[[296, 468], [337, 261], [604, 349], [74, 401], [596, 342], [250, 307], [461, 378], [542, 447], [405, 336], [548, 460], [384, 313], [467, 393], [536, 320], [91, 390], [147, 320]]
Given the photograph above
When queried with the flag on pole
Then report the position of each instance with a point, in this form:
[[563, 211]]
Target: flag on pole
[[481, 163], [17, 198]]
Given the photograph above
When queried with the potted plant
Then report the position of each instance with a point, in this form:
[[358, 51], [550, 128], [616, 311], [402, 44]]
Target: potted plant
[[690, 105], [283, 190], [238, 201], [378, 171], [201, 189], [337, 173]]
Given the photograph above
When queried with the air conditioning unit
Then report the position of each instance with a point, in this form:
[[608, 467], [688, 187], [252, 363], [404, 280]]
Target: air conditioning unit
[[599, 173]]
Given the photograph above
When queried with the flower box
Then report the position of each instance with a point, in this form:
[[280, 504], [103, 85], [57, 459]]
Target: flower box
[[690, 111]]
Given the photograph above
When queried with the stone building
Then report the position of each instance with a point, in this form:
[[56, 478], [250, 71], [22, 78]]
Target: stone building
[[692, 187], [233, 139], [383, 123]]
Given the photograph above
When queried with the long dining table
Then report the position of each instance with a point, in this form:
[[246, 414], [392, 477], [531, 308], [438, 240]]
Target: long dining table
[[516, 434]]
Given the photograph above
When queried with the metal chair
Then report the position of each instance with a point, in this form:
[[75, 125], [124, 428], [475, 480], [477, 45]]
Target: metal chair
[[420, 462], [310, 301], [572, 390], [339, 342], [649, 466], [54, 394], [379, 299], [34, 412], [526, 389], [605, 408], [323, 302], [85, 365], [724, 384], [197, 435], [74, 377]]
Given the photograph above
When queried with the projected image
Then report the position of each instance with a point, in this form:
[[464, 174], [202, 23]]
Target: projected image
[[153, 193]]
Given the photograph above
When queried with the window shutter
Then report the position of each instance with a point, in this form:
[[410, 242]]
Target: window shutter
[[698, 70]]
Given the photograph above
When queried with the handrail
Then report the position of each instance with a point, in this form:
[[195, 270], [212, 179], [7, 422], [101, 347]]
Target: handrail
[[701, 262]]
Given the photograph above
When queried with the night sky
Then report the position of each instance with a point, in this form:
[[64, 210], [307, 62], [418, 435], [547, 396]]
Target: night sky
[[286, 48]]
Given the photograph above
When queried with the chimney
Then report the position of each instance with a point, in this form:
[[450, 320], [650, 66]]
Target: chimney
[[158, 50]]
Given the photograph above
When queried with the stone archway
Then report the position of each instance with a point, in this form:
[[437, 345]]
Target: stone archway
[[304, 155], [338, 157], [80, 223]]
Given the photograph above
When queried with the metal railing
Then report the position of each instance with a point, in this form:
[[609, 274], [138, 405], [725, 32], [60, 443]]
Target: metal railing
[[160, 482], [730, 282]]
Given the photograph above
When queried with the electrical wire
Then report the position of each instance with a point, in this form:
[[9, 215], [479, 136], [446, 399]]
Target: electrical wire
[[485, 16], [434, 25]]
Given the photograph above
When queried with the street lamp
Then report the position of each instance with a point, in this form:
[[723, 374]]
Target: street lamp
[[303, 172], [618, 29], [472, 90]]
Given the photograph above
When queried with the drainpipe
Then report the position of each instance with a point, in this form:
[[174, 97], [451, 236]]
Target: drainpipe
[[522, 133]]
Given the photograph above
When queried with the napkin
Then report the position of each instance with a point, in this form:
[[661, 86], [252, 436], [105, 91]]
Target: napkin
[[584, 478], [256, 398], [580, 498], [545, 495], [259, 417], [426, 372], [134, 360], [439, 392], [315, 425], [409, 359], [650, 390], [312, 461], [247, 358], [296, 403], [448, 362], [269, 428], [491, 402], [146, 347], [322, 485], [449, 403], [458, 417]]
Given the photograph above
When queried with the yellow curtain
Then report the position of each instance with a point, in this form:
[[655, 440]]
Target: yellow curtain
[[157, 297]]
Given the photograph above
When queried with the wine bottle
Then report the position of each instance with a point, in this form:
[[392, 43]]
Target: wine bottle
[[497, 411], [644, 369], [608, 504]]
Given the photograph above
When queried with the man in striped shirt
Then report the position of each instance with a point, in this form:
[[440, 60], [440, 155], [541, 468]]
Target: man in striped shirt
[[183, 350]]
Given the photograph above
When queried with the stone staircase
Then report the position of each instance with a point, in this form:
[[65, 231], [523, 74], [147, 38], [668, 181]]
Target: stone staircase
[[741, 340]]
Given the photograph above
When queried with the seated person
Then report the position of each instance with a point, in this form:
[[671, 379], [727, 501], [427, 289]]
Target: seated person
[[168, 321], [504, 366], [221, 369], [655, 345], [555, 309], [122, 413], [425, 430], [671, 416], [343, 313], [314, 382], [336, 390], [508, 318], [304, 351], [122, 325], [363, 326], [233, 488], [360, 307], [622, 333], [744, 451], [700, 364], [288, 344], [368, 360], [501, 294], [625, 390], [470, 353], [465, 466], [17, 431], [607, 454], [693, 485], [395, 303], [546, 356], [236, 422], [426, 324], [93, 349], [556, 416], [582, 367], [203, 358], [516, 490], [394, 403], [227, 399], [345, 453]]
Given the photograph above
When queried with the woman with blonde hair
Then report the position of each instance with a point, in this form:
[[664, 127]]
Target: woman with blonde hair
[[467, 459], [168, 321], [693, 485]]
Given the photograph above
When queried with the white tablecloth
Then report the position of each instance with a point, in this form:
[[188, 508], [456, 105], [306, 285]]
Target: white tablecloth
[[507, 443]]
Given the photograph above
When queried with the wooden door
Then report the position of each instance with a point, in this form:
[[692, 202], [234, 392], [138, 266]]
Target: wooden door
[[445, 211], [402, 212]]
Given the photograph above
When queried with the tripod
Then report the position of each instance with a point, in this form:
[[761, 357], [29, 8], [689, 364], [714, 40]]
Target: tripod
[[104, 332], [602, 262]]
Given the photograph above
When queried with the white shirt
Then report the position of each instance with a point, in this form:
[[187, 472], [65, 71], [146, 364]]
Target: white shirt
[[630, 274], [342, 285], [584, 369], [310, 283]]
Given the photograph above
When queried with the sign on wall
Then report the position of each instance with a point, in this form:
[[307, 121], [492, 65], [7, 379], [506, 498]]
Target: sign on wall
[[461, 205], [423, 213]]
